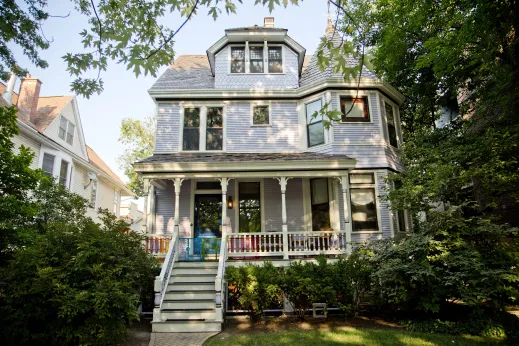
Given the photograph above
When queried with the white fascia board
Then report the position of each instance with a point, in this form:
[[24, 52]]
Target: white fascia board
[[44, 140], [211, 52], [245, 166], [247, 175], [302, 92]]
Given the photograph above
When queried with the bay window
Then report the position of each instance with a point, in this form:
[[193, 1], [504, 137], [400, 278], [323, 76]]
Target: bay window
[[354, 109], [364, 215], [314, 124], [256, 59]]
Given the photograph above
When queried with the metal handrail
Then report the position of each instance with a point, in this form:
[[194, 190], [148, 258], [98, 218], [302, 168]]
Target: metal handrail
[[220, 276]]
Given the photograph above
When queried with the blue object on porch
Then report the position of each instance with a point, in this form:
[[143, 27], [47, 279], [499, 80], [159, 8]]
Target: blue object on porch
[[195, 249]]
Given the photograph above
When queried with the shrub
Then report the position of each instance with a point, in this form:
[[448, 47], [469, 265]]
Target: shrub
[[77, 284]]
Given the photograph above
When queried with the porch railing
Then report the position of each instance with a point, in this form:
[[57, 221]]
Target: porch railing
[[157, 244], [307, 243], [255, 244], [161, 281], [219, 284]]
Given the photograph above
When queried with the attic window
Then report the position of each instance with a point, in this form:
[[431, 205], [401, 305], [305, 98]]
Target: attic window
[[237, 59], [256, 59], [275, 60], [66, 130]]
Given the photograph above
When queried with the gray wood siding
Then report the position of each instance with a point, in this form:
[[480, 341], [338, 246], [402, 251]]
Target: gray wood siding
[[283, 135], [168, 124], [295, 210], [226, 80], [272, 196], [165, 209]]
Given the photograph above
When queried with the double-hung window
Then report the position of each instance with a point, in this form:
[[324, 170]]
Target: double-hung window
[[191, 134], [354, 109], [260, 115], [256, 59], [48, 164], [214, 130], [63, 173], [66, 130], [275, 59], [237, 59], [391, 125], [320, 204], [314, 123], [249, 207], [363, 202]]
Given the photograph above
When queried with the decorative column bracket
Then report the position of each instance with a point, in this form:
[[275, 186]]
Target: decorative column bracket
[[283, 183], [345, 184]]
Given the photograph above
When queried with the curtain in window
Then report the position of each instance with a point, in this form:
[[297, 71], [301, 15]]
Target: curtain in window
[[359, 112], [363, 210]]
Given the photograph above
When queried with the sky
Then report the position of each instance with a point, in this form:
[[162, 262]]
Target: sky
[[126, 96]]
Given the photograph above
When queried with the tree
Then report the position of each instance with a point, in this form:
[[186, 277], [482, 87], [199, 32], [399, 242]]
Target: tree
[[138, 136]]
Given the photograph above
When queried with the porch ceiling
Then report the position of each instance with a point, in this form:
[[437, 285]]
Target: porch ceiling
[[243, 162]]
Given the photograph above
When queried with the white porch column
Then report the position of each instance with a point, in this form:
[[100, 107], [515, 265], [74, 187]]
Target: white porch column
[[224, 182], [283, 182], [146, 188], [177, 182], [151, 214], [345, 184]]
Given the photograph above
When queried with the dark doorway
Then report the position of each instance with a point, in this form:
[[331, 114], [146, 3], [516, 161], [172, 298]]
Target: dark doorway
[[208, 216]]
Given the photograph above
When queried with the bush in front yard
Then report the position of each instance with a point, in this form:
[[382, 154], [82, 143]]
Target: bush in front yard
[[78, 283]]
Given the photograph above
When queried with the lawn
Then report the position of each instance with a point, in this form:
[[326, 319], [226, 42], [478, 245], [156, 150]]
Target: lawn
[[351, 336]]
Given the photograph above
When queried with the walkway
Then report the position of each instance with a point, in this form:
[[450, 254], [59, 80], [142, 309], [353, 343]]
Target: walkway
[[179, 339]]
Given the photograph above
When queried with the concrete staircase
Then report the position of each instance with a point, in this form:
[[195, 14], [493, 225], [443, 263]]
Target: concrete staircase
[[189, 304]]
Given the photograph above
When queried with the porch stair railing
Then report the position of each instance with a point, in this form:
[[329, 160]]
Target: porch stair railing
[[161, 281], [219, 282]]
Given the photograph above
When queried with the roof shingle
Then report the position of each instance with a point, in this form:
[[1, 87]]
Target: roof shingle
[[186, 72]]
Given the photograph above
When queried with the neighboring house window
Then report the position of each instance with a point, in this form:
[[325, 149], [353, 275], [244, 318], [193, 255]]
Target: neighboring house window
[[320, 204], [249, 207], [363, 203], [48, 164], [354, 109], [66, 130], [315, 127], [93, 194], [275, 59], [214, 136], [256, 59], [391, 126], [260, 115], [237, 59], [63, 173], [191, 134], [116, 202]]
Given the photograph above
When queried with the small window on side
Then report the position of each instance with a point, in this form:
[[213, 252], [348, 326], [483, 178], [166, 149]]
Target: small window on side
[[275, 55], [48, 164], [354, 109], [260, 115], [63, 173], [391, 125], [62, 127], [237, 59]]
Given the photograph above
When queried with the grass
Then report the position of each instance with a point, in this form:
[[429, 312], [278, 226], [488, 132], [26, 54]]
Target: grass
[[351, 336]]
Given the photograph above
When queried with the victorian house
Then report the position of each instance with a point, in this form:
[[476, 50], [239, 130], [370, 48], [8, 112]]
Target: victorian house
[[244, 170]]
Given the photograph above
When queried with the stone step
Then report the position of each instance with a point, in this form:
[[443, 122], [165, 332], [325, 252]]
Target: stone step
[[185, 278], [193, 295], [187, 314], [189, 304], [190, 286], [186, 326]]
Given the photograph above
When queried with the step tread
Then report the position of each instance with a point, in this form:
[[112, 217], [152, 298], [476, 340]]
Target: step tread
[[191, 283], [194, 275], [187, 310], [188, 300], [195, 292], [187, 321]]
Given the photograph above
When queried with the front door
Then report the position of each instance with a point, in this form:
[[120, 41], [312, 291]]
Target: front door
[[208, 216]]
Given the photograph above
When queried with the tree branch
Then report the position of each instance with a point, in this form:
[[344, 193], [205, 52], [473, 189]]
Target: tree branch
[[100, 38]]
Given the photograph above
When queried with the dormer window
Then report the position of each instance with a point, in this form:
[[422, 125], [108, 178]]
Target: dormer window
[[66, 130], [256, 59], [275, 59], [237, 59]]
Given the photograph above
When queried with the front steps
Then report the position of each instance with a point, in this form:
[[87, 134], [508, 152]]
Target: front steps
[[189, 302]]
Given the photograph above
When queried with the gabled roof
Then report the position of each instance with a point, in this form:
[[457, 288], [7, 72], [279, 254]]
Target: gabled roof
[[49, 107], [99, 163]]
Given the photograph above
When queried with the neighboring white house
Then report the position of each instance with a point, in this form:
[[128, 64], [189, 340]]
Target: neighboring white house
[[130, 213], [50, 126]]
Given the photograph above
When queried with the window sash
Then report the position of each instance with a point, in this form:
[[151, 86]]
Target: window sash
[[260, 115], [275, 56], [364, 213], [320, 204], [214, 129], [63, 173], [315, 134], [48, 164], [393, 139], [249, 207], [362, 178], [359, 112], [70, 133], [62, 127], [400, 217], [256, 60], [237, 59], [191, 131]]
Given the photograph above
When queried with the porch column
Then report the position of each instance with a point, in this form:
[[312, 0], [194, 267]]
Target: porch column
[[146, 187], [177, 182], [151, 216], [283, 182], [345, 184], [224, 182]]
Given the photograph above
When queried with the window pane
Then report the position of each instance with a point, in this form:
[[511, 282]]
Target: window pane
[[214, 140], [315, 134], [191, 139], [70, 133], [320, 204], [237, 59], [363, 210], [63, 173], [191, 117], [249, 207], [364, 178], [275, 60], [62, 127], [389, 114], [256, 59], [260, 115], [214, 117], [311, 108], [392, 135], [359, 112], [401, 221], [48, 164]]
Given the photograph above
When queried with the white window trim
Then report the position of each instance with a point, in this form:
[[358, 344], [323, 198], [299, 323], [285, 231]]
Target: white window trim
[[396, 119], [304, 138], [257, 104], [353, 93], [203, 127], [265, 46], [58, 157]]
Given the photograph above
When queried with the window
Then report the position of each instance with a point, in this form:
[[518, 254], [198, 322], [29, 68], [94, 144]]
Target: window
[[275, 59], [363, 202], [260, 115], [191, 134], [237, 59], [63, 173], [66, 130], [391, 126], [354, 109], [214, 136], [249, 207], [93, 194], [320, 204], [400, 215], [315, 127], [256, 59], [48, 164], [116, 203]]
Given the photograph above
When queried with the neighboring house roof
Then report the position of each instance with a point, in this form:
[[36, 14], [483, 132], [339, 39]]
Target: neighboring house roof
[[49, 107], [99, 163], [186, 72], [241, 157]]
